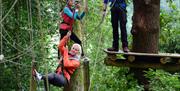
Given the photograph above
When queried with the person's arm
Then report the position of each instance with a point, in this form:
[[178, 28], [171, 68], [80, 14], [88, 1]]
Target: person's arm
[[70, 13], [79, 17], [105, 4], [63, 42]]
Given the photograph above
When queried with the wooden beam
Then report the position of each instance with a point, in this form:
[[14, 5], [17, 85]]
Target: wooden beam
[[125, 63], [171, 55]]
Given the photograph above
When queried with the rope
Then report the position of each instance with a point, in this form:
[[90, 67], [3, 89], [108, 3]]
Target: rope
[[12, 58], [23, 49], [20, 53], [32, 86], [9, 11], [16, 63], [100, 23], [1, 33], [10, 43], [11, 39], [1, 27], [42, 33], [94, 65]]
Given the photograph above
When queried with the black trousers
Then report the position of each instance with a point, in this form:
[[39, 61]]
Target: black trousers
[[119, 19], [55, 79], [73, 37]]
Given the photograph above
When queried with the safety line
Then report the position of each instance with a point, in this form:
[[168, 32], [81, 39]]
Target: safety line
[[9, 11]]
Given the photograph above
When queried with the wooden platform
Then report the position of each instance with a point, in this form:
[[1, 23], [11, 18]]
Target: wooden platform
[[166, 61]]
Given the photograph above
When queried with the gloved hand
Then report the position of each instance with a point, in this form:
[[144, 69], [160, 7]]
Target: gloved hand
[[69, 34], [105, 9], [104, 13]]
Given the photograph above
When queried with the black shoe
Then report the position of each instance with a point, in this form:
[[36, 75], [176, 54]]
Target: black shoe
[[82, 55], [113, 49], [125, 49]]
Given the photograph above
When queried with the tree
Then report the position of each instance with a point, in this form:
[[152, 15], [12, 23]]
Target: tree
[[145, 31]]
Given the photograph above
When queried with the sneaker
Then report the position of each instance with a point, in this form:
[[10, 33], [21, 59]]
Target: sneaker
[[37, 75], [113, 49], [125, 49], [84, 58]]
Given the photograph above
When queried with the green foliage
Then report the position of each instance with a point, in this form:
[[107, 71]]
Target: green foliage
[[114, 79], [15, 74], [19, 45], [170, 31], [163, 81]]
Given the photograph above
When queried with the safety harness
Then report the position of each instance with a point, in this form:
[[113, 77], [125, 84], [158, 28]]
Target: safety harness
[[60, 69], [118, 3], [67, 23]]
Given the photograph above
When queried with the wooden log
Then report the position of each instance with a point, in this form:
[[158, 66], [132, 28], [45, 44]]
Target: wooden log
[[86, 74], [124, 63], [131, 58], [165, 60], [179, 61], [76, 83], [112, 56]]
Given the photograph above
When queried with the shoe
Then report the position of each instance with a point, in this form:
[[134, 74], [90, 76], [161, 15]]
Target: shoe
[[82, 55], [84, 58], [37, 75], [113, 49], [125, 49]]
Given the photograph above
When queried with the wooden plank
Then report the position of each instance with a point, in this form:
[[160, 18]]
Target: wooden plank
[[166, 61], [86, 74], [125, 63], [144, 54]]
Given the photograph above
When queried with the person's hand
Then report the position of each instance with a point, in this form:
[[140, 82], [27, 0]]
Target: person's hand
[[104, 12], [60, 14], [69, 34], [78, 5], [104, 9]]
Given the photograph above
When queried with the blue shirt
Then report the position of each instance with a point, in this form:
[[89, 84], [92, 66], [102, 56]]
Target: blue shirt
[[76, 15], [118, 3]]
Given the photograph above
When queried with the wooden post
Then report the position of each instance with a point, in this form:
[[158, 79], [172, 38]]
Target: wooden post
[[131, 58], [86, 74], [76, 82], [80, 79]]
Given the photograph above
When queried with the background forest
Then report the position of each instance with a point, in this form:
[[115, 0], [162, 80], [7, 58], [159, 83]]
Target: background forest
[[29, 32]]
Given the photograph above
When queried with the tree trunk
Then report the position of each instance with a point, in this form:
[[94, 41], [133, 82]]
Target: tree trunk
[[145, 31]]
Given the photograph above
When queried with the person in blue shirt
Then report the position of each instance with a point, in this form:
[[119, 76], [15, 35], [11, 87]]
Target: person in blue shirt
[[118, 19]]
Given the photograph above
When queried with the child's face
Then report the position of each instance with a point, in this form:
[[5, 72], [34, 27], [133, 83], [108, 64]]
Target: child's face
[[70, 3]]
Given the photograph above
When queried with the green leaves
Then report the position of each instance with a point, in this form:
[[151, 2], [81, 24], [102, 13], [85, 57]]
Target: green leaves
[[170, 31], [163, 81]]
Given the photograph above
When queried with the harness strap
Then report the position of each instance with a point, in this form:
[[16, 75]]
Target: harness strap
[[61, 65], [71, 24], [119, 2]]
